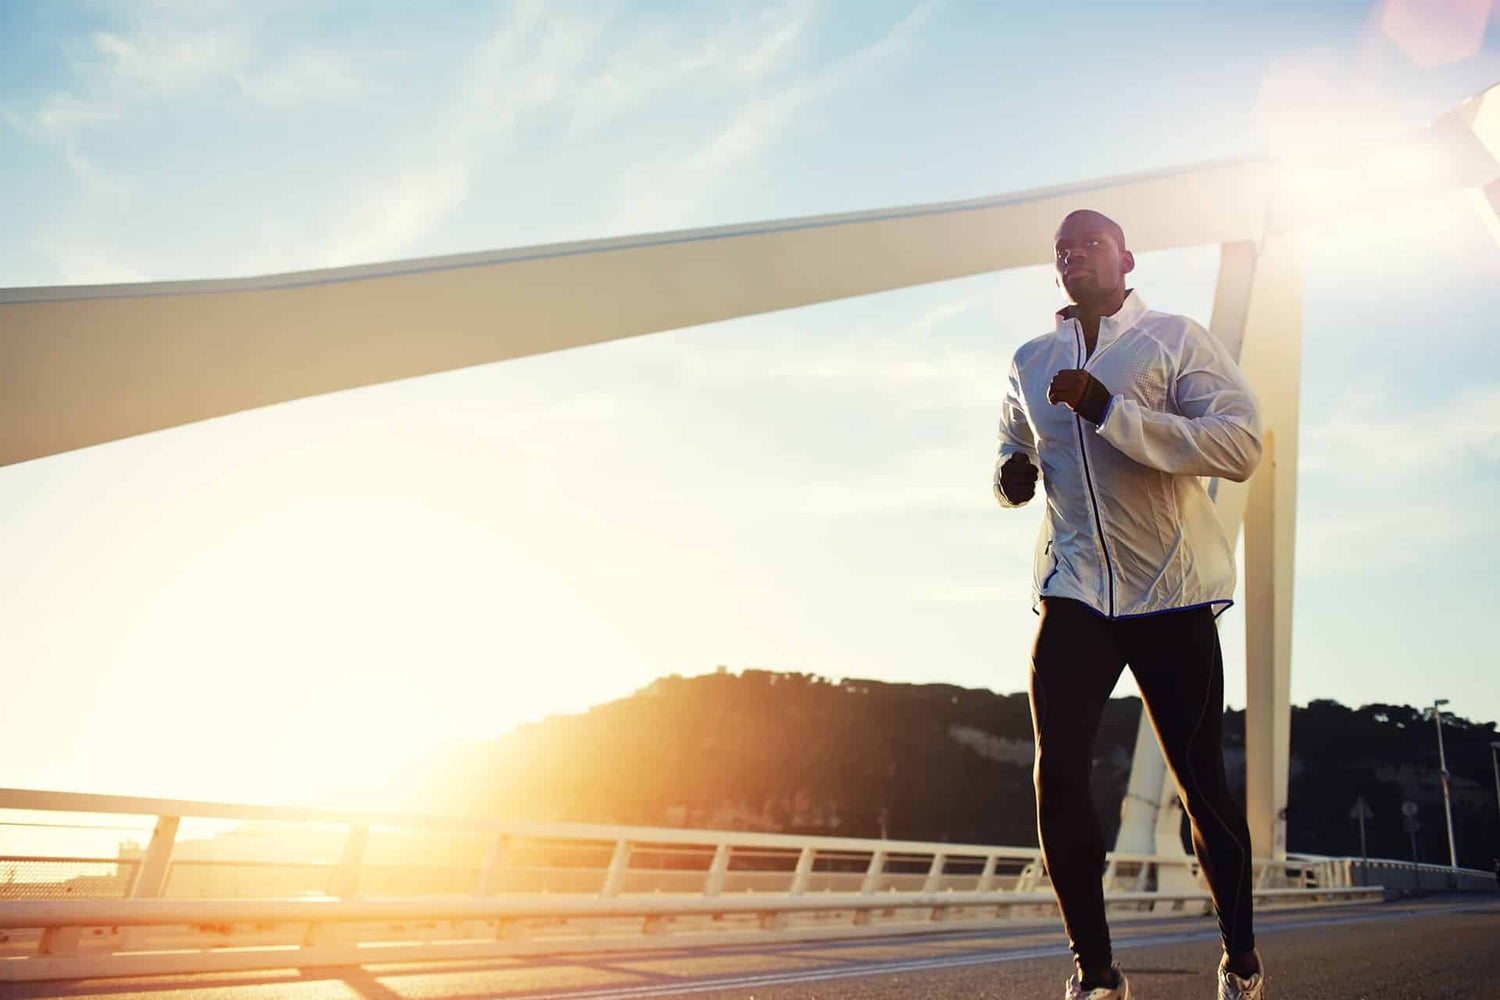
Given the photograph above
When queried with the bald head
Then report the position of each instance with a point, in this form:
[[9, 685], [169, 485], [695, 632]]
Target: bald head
[[1097, 219]]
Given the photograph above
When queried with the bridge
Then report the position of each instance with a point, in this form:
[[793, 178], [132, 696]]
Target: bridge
[[564, 911], [292, 902]]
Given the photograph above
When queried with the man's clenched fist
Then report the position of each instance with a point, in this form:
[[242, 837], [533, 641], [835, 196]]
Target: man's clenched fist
[[1079, 390], [1017, 479]]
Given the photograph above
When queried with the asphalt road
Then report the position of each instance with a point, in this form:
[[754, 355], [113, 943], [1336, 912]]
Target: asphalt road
[[1440, 947]]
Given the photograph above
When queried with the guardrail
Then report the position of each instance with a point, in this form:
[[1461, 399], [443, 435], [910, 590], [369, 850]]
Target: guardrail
[[365, 888], [1410, 878]]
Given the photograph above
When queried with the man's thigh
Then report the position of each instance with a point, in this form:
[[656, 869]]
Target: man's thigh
[[1075, 663], [1179, 668]]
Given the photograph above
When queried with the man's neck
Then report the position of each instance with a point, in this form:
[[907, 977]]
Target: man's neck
[[1088, 315]]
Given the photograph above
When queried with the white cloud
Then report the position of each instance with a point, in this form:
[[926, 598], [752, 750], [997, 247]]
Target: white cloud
[[1384, 466], [895, 360], [60, 122], [1373, 443], [170, 61], [773, 48], [667, 192], [544, 69], [96, 179], [63, 116], [88, 262], [1388, 530], [658, 63], [306, 76], [530, 62], [389, 213]]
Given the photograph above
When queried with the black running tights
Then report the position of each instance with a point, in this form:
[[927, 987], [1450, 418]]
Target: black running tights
[[1178, 667]]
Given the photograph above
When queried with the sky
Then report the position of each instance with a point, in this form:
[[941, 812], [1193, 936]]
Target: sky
[[287, 604]]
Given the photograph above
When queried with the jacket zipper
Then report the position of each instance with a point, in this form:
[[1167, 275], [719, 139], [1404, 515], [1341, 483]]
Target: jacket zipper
[[1089, 481]]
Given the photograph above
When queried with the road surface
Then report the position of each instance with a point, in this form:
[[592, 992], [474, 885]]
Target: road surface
[[1439, 947]]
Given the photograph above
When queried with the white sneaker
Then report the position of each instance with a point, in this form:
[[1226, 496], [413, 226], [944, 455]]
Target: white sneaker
[[1232, 987], [1120, 991]]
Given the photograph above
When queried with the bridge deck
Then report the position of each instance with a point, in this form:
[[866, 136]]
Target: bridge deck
[[1437, 947]]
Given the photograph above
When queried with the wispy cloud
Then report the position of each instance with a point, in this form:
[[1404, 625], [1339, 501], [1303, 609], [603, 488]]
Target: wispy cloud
[[1381, 465], [61, 121], [88, 262], [1372, 443], [530, 62], [1391, 531], [64, 116], [387, 214], [172, 61], [543, 80], [668, 192], [950, 353], [306, 76], [662, 62]]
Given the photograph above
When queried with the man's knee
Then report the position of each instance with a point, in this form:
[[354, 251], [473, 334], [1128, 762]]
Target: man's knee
[[1059, 780]]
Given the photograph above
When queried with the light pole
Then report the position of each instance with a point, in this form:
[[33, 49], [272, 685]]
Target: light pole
[[1437, 717], [1495, 762]]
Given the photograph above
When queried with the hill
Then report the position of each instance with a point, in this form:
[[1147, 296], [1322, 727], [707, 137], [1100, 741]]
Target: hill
[[798, 753]]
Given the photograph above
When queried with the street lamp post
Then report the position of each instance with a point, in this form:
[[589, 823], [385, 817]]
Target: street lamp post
[[1437, 717], [1495, 763]]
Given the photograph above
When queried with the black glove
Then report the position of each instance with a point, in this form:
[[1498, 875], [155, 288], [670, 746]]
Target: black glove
[[1087, 396], [1017, 480]]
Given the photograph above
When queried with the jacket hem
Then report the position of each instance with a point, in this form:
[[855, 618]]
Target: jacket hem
[[1225, 601]]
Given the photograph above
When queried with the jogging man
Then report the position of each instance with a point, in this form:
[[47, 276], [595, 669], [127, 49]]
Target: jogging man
[[1121, 409]]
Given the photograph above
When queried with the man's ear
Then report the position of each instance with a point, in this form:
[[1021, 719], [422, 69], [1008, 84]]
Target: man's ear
[[1127, 262]]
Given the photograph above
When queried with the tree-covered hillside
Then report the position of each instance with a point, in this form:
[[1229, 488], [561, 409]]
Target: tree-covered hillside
[[793, 752]]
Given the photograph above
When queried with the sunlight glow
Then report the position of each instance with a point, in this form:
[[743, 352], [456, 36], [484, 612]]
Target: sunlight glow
[[1486, 202], [1311, 188]]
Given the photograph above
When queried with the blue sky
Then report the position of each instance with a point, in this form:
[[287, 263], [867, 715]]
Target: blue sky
[[317, 590]]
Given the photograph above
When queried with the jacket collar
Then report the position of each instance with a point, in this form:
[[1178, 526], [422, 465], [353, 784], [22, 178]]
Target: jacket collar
[[1110, 327]]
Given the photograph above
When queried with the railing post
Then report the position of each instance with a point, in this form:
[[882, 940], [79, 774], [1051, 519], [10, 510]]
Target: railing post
[[1109, 875], [804, 869], [619, 864], [935, 872], [718, 871], [346, 878], [1029, 877], [60, 941], [987, 877], [344, 885], [872, 882], [151, 876], [873, 874], [150, 882], [494, 866]]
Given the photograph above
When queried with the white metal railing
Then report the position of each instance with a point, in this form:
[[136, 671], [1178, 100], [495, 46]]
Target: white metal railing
[[373, 892]]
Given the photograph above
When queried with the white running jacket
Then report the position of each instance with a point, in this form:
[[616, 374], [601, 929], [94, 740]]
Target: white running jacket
[[1130, 529]]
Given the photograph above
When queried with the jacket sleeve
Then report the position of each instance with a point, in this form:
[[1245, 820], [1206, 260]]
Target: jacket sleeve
[[1016, 437], [1213, 428]]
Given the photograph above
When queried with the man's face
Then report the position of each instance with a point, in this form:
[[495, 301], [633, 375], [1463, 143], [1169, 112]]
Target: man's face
[[1090, 262]]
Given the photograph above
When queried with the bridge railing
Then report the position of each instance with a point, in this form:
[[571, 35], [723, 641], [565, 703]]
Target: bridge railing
[[272, 886], [1407, 877]]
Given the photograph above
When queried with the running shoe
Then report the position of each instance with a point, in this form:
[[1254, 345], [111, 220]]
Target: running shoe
[[1119, 991], [1232, 987]]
